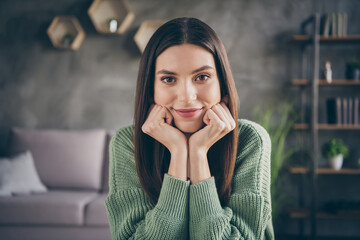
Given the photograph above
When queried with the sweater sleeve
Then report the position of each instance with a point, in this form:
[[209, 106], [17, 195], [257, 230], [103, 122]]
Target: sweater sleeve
[[247, 215], [131, 214]]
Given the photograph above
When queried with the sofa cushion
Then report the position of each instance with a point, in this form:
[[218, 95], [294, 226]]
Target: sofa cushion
[[105, 186], [95, 213], [63, 158], [51, 208], [18, 175]]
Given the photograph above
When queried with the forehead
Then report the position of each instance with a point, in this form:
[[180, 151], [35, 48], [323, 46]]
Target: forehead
[[184, 57]]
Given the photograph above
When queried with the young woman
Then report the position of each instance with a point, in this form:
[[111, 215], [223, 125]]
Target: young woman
[[188, 168]]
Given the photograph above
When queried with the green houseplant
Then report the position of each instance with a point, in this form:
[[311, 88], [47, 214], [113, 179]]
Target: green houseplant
[[67, 39], [353, 69], [335, 151], [278, 130]]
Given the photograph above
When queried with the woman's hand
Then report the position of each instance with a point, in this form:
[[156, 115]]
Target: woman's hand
[[219, 122], [158, 125]]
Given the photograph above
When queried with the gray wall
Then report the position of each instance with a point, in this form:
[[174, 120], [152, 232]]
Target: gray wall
[[43, 87]]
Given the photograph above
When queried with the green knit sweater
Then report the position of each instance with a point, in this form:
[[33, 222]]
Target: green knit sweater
[[186, 211]]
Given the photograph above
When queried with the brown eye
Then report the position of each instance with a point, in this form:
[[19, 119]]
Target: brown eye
[[202, 77], [168, 79]]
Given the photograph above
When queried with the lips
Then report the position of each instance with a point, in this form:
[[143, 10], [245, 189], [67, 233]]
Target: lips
[[188, 113]]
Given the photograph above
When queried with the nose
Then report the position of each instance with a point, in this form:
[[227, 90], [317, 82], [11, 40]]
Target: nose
[[187, 92]]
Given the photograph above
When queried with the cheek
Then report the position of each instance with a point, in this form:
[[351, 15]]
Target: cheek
[[162, 97], [211, 94]]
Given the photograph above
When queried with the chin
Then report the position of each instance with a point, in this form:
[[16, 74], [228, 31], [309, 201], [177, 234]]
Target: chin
[[189, 127]]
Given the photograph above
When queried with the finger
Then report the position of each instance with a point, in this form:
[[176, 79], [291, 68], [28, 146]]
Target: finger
[[217, 108], [168, 116], [224, 116], [214, 119], [206, 118], [229, 116]]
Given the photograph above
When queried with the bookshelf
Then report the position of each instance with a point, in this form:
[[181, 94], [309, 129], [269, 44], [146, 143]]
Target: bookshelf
[[102, 12], [324, 126], [305, 170], [313, 128], [65, 32]]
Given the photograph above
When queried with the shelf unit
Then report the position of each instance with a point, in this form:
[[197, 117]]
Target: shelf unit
[[62, 27], [315, 40], [102, 11], [145, 31]]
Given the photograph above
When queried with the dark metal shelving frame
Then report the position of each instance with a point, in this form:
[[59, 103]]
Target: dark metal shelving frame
[[314, 40]]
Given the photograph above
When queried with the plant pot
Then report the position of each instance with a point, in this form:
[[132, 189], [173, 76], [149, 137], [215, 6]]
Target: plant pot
[[336, 162], [353, 73], [356, 74]]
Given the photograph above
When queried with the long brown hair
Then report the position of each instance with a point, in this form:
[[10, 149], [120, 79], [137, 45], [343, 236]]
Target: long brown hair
[[151, 157]]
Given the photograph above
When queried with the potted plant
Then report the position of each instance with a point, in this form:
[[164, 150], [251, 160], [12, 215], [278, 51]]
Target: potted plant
[[353, 69], [113, 24], [67, 39], [335, 151], [278, 130]]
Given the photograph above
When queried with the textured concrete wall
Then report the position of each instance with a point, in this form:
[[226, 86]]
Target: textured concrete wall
[[43, 87]]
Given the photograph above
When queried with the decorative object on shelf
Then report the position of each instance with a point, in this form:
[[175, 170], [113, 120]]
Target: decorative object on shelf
[[67, 39], [328, 72], [66, 32], [111, 16], [335, 150], [113, 25], [145, 31], [278, 134], [353, 69]]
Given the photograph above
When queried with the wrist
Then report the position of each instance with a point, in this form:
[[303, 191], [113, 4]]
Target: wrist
[[198, 154], [180, 151]]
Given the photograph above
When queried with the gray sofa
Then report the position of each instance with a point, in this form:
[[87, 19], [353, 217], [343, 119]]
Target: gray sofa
[[73, 165]]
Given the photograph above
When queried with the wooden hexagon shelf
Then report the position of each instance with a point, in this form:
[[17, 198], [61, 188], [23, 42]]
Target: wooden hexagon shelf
[[145, 31], [66, 32], [111, 16]]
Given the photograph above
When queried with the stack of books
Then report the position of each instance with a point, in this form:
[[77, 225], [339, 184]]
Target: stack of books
[[343, 110], [334, 24]]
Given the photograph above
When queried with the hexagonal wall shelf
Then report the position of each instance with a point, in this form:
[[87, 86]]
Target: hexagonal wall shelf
[[111, 16], [145, 31], [66, 32]]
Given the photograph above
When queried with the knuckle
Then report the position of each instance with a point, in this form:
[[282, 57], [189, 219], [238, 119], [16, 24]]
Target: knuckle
[[144, 129], [221, 126]]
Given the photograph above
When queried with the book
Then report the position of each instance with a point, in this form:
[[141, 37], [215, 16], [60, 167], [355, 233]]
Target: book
[[345, 111], [344, 24], [331, 111], [356, 110], [338, 110], [333, 25], [327, 22], [339, 24], [350, 102]]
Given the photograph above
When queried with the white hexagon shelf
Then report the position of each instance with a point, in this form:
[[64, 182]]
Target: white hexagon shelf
[[145, 31], [111, 16], [66, 32]]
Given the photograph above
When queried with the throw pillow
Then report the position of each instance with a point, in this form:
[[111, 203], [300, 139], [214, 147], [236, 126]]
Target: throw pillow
[[18, 175]]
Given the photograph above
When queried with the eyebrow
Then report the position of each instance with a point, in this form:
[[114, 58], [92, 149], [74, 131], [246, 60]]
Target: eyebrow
[[163, 71]]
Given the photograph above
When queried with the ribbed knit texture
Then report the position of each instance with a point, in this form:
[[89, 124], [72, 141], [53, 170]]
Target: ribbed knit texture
[[185, 211]]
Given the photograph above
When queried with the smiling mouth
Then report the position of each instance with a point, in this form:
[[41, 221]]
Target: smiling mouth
[[188, 113]]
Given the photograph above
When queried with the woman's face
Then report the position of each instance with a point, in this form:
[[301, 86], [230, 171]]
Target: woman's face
[[186, 83]]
